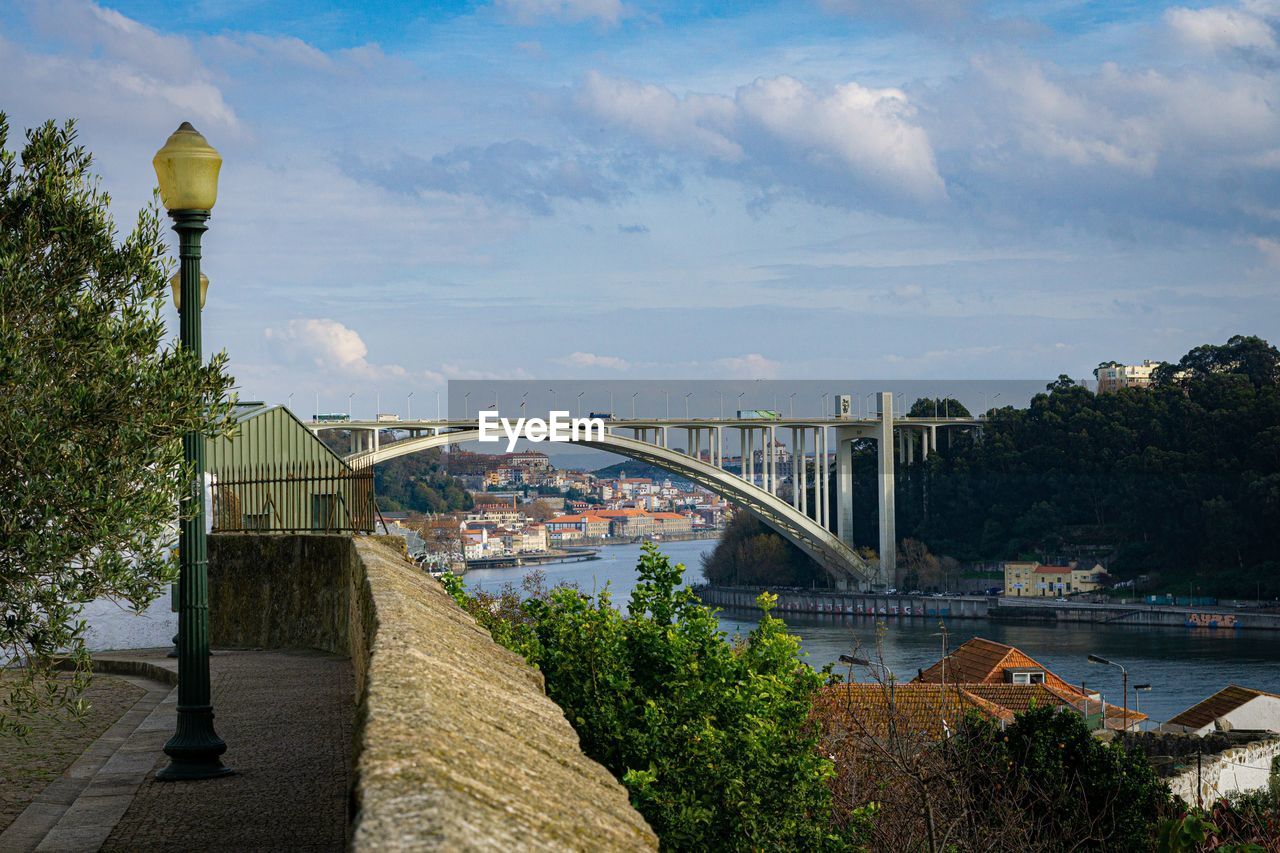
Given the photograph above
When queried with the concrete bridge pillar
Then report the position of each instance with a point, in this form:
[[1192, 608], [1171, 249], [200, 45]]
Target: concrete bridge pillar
[[773, 460], [888, 526], [824, 481], [844, 488], [804, 470]]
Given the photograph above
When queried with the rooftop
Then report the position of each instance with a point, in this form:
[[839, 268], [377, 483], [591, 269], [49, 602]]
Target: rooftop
[[1218, 705]]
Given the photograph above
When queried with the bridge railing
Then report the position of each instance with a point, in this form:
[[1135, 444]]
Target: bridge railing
[[294, 497]]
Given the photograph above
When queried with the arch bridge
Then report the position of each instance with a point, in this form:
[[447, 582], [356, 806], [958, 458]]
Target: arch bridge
[[756, 487]]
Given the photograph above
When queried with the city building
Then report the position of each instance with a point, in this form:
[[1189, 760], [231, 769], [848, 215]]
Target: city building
[[782, 457], [628, 523], [1030, 578], [671, 523], [1230, 709], [589, 525], [1112, 375]]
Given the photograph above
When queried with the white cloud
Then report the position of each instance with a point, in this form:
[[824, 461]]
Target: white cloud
[[119, 67], [1223, 28], [750, 366], [833, 144], [590, 359], [529, 12], [332, 347]]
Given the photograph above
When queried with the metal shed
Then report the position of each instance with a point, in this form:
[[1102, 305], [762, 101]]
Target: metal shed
[[275, 475]]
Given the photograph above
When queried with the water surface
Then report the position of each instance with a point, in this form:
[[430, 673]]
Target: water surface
[[1183, 665]]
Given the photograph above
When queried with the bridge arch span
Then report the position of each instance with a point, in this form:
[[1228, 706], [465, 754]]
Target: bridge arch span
[[836, 558]]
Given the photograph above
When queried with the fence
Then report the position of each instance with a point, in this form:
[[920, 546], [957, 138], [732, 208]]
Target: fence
[[294, 497]]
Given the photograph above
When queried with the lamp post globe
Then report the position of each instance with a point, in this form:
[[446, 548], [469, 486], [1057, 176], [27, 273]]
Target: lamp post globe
[[187, 169], [176, 284]]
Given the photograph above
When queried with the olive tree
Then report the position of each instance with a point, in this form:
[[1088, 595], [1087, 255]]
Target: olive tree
[[95, 395]]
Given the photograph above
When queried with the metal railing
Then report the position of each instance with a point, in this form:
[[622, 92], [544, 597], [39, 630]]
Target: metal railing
[[294, 497]]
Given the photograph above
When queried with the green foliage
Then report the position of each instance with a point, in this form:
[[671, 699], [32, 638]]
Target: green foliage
[[714, 741], [1079, 789], [94, 400], [750, 554], [938, 407], [419, 482], [1181, 478], [1185, 834]]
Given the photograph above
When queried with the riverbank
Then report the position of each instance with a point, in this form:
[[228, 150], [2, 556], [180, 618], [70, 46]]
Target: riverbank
[[1187, 665], [1003, 609]]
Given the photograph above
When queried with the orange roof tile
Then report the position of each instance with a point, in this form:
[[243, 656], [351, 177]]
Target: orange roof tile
[[982, 661], [1223, 702]]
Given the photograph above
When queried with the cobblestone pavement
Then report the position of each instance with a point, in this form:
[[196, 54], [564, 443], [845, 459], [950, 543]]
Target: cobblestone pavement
[[28, 765], [287, 720]]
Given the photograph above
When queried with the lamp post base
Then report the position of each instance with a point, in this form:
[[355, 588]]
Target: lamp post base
[[190, 771], [194, 749]]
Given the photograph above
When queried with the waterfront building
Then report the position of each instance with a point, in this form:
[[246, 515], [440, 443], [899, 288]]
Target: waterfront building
[[629, 523], [589, 525], [671, 523], [1230, 709], [1030, 578]]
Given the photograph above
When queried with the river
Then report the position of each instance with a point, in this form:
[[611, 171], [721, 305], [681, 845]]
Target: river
[[1182, 665]]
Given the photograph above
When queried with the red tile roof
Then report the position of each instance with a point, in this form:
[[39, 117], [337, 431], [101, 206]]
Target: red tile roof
[[1223, 702], [931, 711], [981, 661]]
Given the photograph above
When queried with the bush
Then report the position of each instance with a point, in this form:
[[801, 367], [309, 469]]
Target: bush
[[1078, 789], [713, 740]]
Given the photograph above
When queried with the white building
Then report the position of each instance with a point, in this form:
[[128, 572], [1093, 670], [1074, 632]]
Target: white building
[[1232, 708], [1111, 375]]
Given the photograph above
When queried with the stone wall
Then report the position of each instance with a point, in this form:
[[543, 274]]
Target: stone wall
[[458, 747], [1238, 768]]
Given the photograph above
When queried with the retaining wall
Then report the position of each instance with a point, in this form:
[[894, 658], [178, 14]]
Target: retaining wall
[[457, 746]]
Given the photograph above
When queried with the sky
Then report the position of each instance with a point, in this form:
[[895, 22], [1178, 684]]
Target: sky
[[414, 193]]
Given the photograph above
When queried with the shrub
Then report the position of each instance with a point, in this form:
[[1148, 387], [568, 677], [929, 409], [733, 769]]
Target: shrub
[[713, 740]]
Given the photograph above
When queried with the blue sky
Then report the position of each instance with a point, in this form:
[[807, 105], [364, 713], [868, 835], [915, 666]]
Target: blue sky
[[601, 189]]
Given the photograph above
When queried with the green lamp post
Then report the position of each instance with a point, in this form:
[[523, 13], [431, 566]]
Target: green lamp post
[[187, 169]]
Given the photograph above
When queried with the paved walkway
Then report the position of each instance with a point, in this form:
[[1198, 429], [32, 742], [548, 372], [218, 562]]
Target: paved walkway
[[287, 719]]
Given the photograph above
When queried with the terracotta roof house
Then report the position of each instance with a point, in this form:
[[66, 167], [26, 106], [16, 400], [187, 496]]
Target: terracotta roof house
[[983, 666], [981, 661], [1231, 708], [933, 711]]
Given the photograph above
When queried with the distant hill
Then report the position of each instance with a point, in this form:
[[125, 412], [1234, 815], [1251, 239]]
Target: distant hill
[[637, 469]]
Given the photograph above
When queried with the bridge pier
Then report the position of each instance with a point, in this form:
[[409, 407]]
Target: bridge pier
[[888, 527], [844, 488]]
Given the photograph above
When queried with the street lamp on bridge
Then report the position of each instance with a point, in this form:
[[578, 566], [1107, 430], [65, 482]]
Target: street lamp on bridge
[[187, 170], [349, 396], [686, 405], [408, 407]]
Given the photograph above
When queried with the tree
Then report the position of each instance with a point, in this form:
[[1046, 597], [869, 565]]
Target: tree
[[95, 396], [751, 554], [714, 741]]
